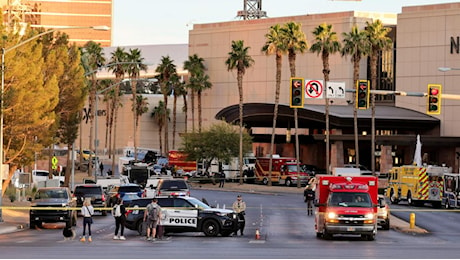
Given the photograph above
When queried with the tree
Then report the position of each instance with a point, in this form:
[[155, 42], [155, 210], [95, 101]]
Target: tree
[[118, 60], [377, 37], [178, 89], [239, 59], [166, 69], [181, 90], [296, 41], [194, 65], [134, 68], [92, 58], [355, 45], [200, 81], [325, 43], [159, 114], [274, 44], [202, 146], [142, 106]]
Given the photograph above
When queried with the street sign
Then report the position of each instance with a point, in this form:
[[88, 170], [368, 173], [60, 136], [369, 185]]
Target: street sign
[[335, 89], [314, 89]]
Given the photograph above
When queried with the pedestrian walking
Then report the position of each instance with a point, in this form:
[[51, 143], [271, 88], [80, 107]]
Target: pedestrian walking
[[239, 206], [309, 197], [152, 215], [87, 211], [118, 212], [101, 167]]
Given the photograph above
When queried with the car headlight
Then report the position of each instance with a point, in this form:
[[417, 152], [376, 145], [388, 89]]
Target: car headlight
[[369, 215], [369, 218], [332, 217]]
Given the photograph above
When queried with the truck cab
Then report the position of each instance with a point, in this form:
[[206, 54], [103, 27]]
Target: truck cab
[[346, 205]]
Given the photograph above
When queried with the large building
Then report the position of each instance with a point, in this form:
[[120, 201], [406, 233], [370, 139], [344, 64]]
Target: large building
[[58, 14]]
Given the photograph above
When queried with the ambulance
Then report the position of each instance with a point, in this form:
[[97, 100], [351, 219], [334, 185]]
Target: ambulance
[[284, 171], [346, 205], [417, 184]]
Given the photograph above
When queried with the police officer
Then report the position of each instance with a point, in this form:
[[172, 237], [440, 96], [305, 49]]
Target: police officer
[[239, 206]]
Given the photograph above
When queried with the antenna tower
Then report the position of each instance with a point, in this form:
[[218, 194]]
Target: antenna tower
[[252, 10]]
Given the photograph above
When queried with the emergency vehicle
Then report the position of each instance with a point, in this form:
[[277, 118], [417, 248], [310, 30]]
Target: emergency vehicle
[[284, 171], [346, 205], [184, 214], [451, 192], [179, 160], [417, 184]]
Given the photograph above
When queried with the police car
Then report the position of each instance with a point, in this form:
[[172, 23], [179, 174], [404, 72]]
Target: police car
[[184, 214]]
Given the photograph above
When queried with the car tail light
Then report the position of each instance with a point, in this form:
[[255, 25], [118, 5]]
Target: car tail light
[[103, 197]]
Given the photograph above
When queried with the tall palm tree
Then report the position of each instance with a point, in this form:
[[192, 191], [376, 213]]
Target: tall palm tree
[[326, 42], [239, 59], [355, 45], [134, 68], [274, 44], [159, 114], [178, 88], [166, 69], [181, 90], [92, 59], [119, 68], [194, 64], [377, 36], [142, 106], [200, 82], [296, 41]]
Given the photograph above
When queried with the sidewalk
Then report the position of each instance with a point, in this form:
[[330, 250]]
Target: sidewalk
[[18, 219]]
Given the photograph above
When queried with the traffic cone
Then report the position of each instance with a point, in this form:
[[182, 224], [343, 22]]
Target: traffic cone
[[257, 234]]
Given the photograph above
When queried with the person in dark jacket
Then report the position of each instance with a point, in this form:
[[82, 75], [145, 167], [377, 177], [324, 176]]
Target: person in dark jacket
[[309, 195], [118, 212]]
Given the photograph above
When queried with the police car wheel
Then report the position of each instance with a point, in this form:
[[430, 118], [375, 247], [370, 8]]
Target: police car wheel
[[211, 228]]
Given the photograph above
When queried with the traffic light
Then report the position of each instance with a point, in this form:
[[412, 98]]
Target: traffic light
[[297, 93], [434, 99], [362, 94]]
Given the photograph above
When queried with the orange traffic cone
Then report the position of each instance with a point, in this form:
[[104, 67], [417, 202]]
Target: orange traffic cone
[[257, 234]]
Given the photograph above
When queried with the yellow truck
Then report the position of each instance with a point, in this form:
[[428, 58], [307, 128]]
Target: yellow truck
[[417, 184]]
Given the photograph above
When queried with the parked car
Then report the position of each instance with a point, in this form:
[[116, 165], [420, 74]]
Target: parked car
[[363, 170], [383, 214], [53, 197], [93, 191], [177, 187], [184, 214], [125, 192]]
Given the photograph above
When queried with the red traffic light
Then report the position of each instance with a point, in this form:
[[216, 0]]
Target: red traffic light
[[434, 91]]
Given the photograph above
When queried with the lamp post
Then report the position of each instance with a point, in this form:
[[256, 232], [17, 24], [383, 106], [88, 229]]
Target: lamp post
[[5, 51]]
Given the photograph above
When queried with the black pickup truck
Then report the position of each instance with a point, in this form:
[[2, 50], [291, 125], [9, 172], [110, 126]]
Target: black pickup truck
[[53, 204]]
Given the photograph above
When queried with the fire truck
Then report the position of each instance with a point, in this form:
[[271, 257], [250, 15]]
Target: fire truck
[[417, 184], [179, 160], [346, 205], [451, 193], [284, 171]]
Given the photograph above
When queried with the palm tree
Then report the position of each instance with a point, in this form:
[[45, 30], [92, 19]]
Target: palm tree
[[194, 64], [181, 90], [274, 44], [377, 37], [200, 82], [159, 114], [118, 59], [166, 69], [142, 106], [239, 59], [178, 88], [134, 68], [92, 59], [296, 41], [355, 45], [326, 43]]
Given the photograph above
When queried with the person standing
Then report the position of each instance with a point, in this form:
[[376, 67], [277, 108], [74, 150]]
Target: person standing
[[309, 195], [152, 215], [87, 211], [222, 179], [239, 206], [101, 167], [118, 212]]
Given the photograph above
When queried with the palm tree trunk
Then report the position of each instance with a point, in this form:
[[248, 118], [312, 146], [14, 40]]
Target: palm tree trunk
[[355, 111], [373, 87], [134, 90], [199, 111], [240, 90], [275, 114], [174, 122], [185, 110], [193, 110], [166, 123]]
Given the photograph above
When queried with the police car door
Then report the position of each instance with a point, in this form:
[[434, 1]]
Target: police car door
[[182, 214]]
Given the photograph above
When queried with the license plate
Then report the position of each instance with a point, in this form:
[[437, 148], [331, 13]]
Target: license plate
[[350, 229]]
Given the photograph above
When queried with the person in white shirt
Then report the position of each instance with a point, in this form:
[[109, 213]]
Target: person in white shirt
[[87, 211], [239, 206]]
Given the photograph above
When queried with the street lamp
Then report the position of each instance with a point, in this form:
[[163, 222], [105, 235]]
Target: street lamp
[[5, 51]]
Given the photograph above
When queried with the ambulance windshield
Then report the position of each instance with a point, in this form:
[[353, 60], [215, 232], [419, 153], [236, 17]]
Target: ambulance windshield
[[349, 199]]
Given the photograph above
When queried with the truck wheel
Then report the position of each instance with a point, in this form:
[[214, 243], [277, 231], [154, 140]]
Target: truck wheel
[[210, 228], [319, 235], [288, 182], [393, 198], [386, 226], [327, 236], [265, 181]]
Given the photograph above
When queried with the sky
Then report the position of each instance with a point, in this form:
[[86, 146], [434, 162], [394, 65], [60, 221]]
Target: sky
[[151, 22]]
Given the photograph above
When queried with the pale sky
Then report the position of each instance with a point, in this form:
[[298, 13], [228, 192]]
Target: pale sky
[[149, 22]]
